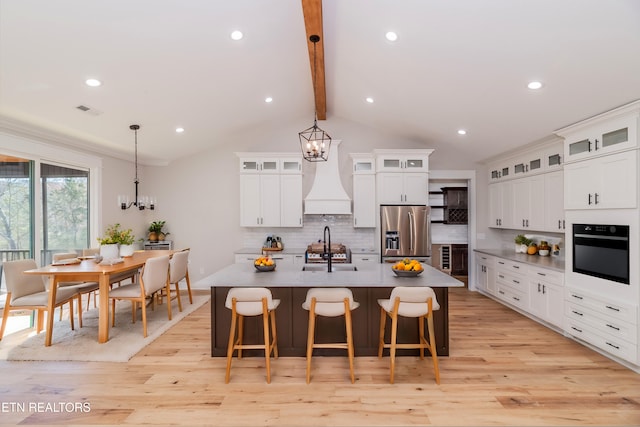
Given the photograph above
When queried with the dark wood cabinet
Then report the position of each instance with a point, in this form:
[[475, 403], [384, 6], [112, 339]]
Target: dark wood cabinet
[[455, 205], [459, 260]]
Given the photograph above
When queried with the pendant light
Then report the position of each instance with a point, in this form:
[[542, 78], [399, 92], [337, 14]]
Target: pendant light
[[314, 142], [140, 201]]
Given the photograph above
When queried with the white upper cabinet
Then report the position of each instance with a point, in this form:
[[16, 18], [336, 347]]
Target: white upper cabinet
[[364, 191], [270, 189], [608, 182], [402, 160], [607, 133], [259, 165], [402, 176]]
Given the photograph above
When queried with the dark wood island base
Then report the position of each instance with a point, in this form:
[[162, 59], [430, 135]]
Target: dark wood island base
[[292, 322]]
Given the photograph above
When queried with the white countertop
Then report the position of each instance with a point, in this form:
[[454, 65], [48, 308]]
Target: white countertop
[[368, 275], [550, 262]]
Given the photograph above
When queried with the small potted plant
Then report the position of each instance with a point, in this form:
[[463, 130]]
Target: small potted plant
[[155, 231], [116, 242], [522, 243]]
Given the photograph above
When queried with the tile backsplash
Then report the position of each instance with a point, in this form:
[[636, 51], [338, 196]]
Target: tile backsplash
[[342, 231]]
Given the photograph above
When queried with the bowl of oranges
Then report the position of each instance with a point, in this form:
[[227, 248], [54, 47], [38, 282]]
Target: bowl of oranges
[[264, 263], [407, 268]]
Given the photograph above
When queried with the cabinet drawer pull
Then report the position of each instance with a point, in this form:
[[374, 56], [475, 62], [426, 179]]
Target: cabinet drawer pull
[[576, 296], [501, 292], [577, 312], [576, 329], [515, 281], [515, 266], [501, 262], [501, 276], [612, 345], [595, 198], [516, 298], [613, 327], [542, 274], [613, 308]]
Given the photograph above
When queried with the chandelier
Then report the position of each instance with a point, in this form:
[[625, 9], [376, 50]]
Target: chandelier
[[314, 142], [140, 201]]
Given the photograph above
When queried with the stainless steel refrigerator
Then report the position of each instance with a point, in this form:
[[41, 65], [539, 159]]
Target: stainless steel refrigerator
[[405, 232]]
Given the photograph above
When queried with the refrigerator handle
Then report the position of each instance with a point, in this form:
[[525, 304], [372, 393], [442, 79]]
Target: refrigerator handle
[[412, 229]]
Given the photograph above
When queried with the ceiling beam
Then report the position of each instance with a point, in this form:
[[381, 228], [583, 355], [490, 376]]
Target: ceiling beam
[[312, 10]]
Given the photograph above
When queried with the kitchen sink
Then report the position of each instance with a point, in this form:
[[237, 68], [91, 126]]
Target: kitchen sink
[[334, 267]]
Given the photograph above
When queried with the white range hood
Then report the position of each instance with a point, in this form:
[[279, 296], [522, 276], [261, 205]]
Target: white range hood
[[327, 195]]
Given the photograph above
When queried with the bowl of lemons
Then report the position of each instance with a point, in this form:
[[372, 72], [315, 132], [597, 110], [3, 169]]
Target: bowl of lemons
[[407, 268], [264, 263]]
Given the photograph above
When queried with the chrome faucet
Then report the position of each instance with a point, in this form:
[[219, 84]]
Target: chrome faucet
[[327, 251]]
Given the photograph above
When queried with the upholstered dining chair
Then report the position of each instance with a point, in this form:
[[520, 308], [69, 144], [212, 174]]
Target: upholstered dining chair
[[28, 292], [330, 302], [179, 270], [251, 302], [83, 288], [418, 302], [154, 278]]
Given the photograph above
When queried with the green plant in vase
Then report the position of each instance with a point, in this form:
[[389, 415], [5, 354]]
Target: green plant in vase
[[155, 231]]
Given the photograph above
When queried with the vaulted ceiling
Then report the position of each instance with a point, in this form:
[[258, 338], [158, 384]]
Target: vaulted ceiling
[[456, 64]]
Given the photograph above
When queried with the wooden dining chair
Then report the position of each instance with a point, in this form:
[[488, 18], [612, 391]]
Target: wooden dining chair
[[83, 288], [154, 278], [417, 302], [178, 271], [28, 292]]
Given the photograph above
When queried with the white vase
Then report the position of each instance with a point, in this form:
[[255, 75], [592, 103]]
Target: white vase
[[110, 251], [126, 250]]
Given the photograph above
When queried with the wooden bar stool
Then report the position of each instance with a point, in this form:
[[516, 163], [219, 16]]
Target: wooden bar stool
[[418, 302], [251, 302], [329, 302]]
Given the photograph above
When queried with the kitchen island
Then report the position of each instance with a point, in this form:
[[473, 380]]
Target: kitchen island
[[290, 284]]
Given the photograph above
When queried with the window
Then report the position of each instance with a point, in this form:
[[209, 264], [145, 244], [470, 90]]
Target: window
[[65, 209]]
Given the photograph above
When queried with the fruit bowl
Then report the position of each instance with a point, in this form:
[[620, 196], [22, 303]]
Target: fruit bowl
[[265, 267], [407, 273]]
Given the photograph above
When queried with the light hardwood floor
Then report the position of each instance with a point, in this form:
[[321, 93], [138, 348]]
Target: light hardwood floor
[[504, 369]]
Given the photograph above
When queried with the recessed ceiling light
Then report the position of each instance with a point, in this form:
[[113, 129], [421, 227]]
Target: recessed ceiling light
[[93, 82], [462, 132], [534, 85], [237, 35], [268, 99], [391, 36], [369, 100], [179, 130]]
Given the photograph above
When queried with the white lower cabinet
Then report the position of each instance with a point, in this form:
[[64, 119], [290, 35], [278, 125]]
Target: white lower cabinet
[[534, 290], [546, 296], [485, 273], [608, 324], [511, 283], [372, 257]]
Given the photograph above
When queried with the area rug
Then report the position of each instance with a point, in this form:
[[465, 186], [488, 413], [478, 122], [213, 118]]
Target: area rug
[[81, 344]]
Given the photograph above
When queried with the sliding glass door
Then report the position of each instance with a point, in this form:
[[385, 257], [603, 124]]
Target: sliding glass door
[[65, 210], [63, 203], [16, 209]]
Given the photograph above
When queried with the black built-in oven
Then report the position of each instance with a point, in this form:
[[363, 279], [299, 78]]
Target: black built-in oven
[[602, 250]]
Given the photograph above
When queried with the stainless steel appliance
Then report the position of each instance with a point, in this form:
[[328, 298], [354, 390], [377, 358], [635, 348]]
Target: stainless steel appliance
[[405, 232], [316, 254], [602, 251]]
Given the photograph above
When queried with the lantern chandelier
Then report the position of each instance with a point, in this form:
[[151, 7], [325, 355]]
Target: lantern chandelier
[[140, 201], [314, 142]]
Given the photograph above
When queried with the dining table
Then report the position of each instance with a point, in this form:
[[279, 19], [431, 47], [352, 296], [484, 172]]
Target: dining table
[[88, 270]]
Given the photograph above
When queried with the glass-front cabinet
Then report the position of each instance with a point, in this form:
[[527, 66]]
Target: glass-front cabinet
[[608, 137], [402, 160]]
